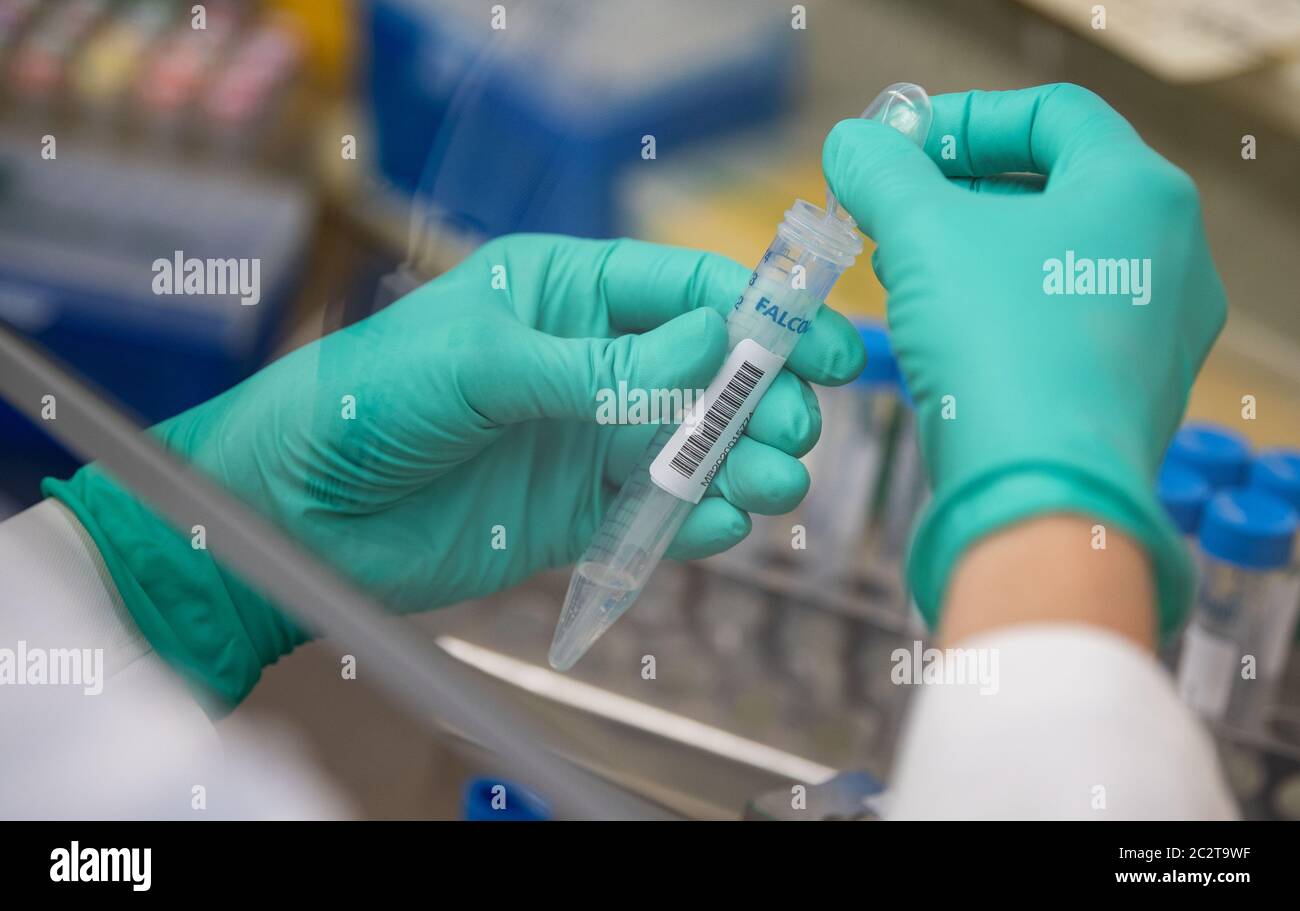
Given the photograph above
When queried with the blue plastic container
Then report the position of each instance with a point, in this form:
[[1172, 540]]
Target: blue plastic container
[[1183, 492], [1236, 647], [1220, 455], [530, 127], [1278, 472]]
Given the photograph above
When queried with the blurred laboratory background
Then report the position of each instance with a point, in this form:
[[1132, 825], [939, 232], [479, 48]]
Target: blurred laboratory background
[[361, 147]]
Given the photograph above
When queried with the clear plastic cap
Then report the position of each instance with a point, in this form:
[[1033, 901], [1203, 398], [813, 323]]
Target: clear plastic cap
[[904, 106]]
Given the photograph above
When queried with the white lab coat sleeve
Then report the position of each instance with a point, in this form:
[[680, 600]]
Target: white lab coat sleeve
[[57, 590], [129, 740], [89, 747], [1082, 725]]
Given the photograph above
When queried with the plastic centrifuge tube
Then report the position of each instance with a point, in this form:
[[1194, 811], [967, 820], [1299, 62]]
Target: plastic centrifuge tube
[[812, 248]]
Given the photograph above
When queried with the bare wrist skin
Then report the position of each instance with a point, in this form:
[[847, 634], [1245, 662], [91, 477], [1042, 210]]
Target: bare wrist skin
[[1047, 570]]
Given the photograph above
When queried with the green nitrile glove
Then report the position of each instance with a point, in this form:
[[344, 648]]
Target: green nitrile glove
[[1030, 400], [475, 457]]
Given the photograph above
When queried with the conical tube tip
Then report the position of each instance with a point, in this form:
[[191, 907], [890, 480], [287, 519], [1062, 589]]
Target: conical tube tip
[[597, 596]]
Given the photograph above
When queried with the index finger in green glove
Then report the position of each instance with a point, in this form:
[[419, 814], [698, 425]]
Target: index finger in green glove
[[1049, 129], [638, 286], [1062, 131], [607, 287], [644, 284]]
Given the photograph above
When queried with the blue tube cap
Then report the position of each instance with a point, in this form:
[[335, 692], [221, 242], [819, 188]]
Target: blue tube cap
[[1249, 528], [1183, 492], [1278, 472], [1220, 455], [882, 368]]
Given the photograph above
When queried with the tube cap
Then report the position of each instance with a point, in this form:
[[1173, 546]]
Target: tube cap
[[1183, 492], [1220, 455], [904, 106], [882, 368], [1278, 472], [1249, 528]]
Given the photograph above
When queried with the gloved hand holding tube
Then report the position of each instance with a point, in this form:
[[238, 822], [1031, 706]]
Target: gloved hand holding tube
[[449, 446], [1051, 299]]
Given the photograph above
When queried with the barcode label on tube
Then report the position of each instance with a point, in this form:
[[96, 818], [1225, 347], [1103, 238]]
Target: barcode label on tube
[[690, 459]]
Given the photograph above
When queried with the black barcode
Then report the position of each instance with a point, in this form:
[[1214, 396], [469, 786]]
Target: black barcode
[[715, 420]]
